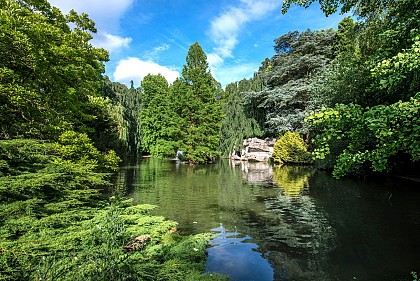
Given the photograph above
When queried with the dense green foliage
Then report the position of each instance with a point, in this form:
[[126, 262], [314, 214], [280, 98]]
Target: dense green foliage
[[186, 116], [160, 130], [199, 108], [280, 99], [120, 122], [61, 123], [372, 125], [236, 125], [56, 225], [47, 70], [291, 149]]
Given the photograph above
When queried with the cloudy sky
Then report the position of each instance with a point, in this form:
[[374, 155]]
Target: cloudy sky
[[146, 36]]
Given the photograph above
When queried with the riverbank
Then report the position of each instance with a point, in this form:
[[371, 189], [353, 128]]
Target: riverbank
[[56, 223]]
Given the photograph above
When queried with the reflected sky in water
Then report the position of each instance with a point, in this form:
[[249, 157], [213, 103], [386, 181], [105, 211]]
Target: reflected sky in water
[[286, 223], [233, 254]]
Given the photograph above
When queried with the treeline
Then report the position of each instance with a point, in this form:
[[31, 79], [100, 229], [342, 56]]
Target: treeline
[[64, 128], [352, 94]]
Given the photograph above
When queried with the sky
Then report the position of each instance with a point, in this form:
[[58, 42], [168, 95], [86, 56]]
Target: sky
[[144, 36]]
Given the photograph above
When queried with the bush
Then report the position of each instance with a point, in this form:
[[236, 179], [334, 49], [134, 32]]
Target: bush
[[291, 148]]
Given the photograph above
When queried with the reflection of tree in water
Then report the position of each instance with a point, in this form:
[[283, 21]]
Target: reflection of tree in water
[[292, 229], [292, 180]]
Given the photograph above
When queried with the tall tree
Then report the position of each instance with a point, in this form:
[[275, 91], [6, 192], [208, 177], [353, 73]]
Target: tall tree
[[123, 109], [200, 110], [284, 101], [159, 127]]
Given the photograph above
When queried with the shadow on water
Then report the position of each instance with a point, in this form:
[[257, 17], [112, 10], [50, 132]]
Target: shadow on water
[[286, 223]]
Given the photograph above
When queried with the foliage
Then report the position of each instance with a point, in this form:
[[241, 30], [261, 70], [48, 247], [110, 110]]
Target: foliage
[[47, 70], [329, 7], [290, 148], [159, 123], [371, 136], [197, 103], [394, 71], [236, 126], [284, 101], [370, 89], [56, 225], [121, 108]]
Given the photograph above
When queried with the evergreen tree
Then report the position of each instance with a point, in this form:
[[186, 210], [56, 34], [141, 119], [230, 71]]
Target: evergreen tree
[[159, 126], [199, 107], [284, 101]]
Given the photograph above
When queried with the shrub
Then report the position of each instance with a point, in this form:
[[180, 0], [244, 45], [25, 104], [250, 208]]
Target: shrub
[[291, 148]]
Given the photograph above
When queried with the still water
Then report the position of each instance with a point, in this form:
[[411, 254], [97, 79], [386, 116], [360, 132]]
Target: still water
[[286, 223]]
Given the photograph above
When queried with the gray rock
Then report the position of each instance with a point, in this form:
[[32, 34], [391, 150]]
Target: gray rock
[[257, 150]]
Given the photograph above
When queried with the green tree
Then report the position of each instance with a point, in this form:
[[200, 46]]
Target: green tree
[[159, 127], [47, 69], [291, 149], [371, 88], [284, 101], [199, 107], [119, 125], [236, 125]]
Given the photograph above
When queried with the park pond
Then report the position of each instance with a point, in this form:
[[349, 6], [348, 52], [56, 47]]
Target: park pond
[[286, 223]]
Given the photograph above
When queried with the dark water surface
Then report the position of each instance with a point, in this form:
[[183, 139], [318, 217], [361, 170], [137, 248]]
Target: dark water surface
[[286, 223]]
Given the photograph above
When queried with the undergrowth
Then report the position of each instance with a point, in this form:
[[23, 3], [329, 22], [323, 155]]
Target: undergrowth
[[56, 224]]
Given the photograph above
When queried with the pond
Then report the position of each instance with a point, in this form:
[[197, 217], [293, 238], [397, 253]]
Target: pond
[[286, 223]]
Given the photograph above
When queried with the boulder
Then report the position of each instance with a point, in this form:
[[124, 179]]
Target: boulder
[[255, 149]]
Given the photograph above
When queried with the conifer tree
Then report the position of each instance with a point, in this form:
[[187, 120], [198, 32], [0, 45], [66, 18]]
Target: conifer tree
[[159, 126], [199, 109]]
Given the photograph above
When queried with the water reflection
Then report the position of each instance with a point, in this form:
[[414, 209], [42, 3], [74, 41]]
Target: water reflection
[[233, 254], [307, 225], [255, 172], [293, 180], [295, 232]]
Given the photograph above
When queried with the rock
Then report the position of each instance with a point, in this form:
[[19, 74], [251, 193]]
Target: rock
[[137, 243], [255, 149]]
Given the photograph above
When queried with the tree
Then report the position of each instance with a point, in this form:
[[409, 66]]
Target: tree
[[236, 125], [47, 70], [371, 89], [159, 126], [199, 107], [121, 108], [284, 100], [360, 7]]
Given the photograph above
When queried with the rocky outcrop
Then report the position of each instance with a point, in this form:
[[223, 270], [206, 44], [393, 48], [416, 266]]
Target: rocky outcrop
[[255, 149]]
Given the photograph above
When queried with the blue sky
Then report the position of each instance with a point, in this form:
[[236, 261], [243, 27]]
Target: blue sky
[[146, 36]]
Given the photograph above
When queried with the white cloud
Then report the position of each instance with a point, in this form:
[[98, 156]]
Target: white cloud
[[106, 14], [226, 27], [135, 69], [225, 30], [111, 42], [153, 55]]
